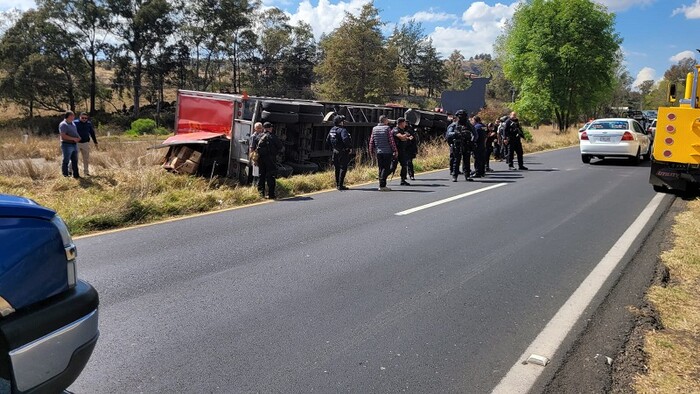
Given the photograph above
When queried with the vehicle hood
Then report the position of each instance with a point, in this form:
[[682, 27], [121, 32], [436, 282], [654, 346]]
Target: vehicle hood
[[16, 206]]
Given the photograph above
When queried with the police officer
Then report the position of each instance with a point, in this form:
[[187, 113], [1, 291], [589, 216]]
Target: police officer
[[479, 148], [460, 136], [514, 134], [268, 146], [402, 138], [340, 141]]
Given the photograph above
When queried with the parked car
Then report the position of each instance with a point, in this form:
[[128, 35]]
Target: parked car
[[48, 317], [651, 130], [615, 137]]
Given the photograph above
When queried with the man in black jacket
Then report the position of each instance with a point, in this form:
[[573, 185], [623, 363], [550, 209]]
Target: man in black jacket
[[340, 141], [460, 136], [479, 148], [268, 146], [513, 136], [402, 138]]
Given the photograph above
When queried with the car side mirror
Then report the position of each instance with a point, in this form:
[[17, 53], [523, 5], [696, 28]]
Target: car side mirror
[[672, 93]]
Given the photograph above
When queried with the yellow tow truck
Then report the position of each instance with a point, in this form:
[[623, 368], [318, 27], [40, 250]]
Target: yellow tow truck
[[675, 162]]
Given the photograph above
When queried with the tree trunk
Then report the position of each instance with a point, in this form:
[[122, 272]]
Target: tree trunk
[[93, 82], [70, 93], [137, 85]]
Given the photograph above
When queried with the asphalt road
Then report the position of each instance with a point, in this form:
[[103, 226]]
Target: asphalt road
[[335, 292]]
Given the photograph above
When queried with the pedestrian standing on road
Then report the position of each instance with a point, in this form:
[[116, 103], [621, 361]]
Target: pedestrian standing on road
[[267, 145], [514, 135], [412, 151], [87, 132], [502, 137], [402, 138], [479, 148], [69, 145], [382, 145], [491, 143], [460, 136], [253, 168], [340, 141]]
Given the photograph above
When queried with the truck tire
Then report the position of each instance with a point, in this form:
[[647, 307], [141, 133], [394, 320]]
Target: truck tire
[[305, 167], [284, 171], [412, 116], [310, 108], [425, 122], [280, 117], [427, 115], [310, 118], [280, 106]]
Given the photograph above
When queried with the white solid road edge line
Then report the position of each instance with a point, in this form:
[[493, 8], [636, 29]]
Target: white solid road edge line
[[521, 377], [457, 197]]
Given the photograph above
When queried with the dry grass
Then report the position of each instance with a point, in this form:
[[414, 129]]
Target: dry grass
[[547, 137], [674, 352], [129, 187]]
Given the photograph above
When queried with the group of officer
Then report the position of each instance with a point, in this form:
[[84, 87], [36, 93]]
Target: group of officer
[[469, 137], [398, 145]]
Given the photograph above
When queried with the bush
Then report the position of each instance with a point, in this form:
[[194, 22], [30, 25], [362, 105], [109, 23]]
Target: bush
[[146, 126]]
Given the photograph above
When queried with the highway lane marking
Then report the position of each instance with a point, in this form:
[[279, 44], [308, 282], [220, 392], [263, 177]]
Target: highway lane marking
[[450, 199], [521, 377]]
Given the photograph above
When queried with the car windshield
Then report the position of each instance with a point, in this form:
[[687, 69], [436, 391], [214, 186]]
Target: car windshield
[[610, 125]]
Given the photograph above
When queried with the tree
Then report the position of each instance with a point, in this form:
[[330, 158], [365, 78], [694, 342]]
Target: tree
[[678, 72], [41, 66], [562, 51], [355, 66], [408, 40], [142, 26], [89, 21], [212, 31], [298, 61], [454, 71], [431, 69]]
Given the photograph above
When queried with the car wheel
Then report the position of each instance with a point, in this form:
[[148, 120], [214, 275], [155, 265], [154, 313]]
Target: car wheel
[[586, 159], [634, 160]]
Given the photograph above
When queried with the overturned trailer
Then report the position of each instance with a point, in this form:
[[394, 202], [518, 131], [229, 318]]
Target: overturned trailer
[[218, 126]]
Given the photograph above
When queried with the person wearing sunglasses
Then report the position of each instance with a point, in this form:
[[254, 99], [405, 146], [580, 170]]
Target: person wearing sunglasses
[[86, 132]]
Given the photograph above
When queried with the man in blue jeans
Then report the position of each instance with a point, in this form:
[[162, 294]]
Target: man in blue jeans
[[383, 146], [69, 144]]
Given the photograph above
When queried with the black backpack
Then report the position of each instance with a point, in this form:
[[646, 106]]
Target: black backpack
[[335, 139]]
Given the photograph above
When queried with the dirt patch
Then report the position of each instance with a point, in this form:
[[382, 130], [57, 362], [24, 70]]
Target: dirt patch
[[632, 360]]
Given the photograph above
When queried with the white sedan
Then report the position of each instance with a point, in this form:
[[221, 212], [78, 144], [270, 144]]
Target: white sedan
[[616, 137]]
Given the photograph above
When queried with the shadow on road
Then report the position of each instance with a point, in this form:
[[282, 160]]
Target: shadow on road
[[405, 189], [621, 162], [296, 199]]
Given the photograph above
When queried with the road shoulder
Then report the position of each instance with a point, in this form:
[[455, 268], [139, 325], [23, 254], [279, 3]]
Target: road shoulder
[[608, 353]]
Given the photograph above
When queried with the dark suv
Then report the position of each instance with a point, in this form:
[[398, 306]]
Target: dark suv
[[48, 318]]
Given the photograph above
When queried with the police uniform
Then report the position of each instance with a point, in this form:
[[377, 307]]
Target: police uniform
[[340, 140], [268, 146]]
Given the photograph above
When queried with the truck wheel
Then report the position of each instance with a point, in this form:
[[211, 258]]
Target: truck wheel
[[284, 171], [280, 117], [280, 106], [310, 108], [310, 118], [427, 115], [586, 159], [305, 167], [425, 122], [412, 116]]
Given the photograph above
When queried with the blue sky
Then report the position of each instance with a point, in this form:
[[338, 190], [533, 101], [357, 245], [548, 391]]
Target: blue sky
[[656, 33]]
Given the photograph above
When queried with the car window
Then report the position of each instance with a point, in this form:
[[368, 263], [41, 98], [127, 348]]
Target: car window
[[610, 125], [639, 129]]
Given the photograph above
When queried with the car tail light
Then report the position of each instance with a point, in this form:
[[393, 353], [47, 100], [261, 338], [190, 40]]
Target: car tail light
[[69, 247], [584, 136], [627, 136]]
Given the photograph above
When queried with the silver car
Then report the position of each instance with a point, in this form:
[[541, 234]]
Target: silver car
[[615, 137]]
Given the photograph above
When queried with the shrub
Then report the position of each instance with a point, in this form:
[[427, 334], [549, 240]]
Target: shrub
[[146, 126]]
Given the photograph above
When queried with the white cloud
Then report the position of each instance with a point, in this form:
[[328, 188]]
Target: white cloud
[[645, 74], [690, 11], [19, 4], [476, 31], [682, 55], [622, 5], [325, 17], [428, 16]]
